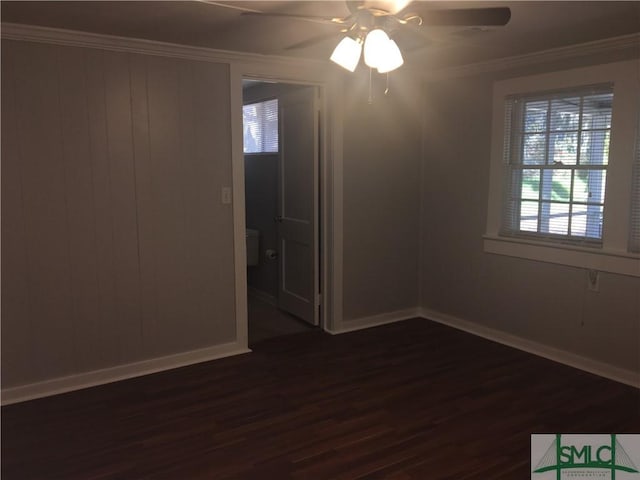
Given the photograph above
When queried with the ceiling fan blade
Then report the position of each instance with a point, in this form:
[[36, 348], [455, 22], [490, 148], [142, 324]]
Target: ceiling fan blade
[[307, 18], [311, 41], [464, 37], [389, 7], [467, 17], [228, 5]]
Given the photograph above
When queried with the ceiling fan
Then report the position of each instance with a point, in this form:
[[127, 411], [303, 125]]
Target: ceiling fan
[[371, 25]]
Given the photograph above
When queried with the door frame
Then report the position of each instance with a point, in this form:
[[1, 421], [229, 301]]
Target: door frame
[[330, 185]]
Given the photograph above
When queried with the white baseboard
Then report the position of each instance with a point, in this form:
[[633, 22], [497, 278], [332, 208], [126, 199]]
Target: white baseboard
[[262, 295], [121, 372], [375, 320], [628, 377]]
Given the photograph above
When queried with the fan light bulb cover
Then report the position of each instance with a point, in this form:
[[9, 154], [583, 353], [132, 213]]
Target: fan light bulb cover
[[374, 45], [347, 53], [399, 5], [390, 57]]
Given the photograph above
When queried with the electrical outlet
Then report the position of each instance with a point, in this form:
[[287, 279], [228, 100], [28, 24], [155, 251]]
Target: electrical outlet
[[593, 280]]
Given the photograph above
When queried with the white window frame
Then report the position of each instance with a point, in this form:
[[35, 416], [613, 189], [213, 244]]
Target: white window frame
[[613, 255]]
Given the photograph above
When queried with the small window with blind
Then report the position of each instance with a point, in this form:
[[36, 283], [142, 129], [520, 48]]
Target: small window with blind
[[556, 158], [260, 127]]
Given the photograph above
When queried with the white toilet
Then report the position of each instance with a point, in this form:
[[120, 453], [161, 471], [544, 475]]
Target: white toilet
[[253, 247]]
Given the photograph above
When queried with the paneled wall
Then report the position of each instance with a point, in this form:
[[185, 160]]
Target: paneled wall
[[115, 245]]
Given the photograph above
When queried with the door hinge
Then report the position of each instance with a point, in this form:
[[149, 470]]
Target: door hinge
[[318, 299]]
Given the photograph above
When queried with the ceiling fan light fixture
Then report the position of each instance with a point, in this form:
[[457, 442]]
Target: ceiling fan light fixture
[[390, 57], [347, 53], [399, 5], [374, 45]]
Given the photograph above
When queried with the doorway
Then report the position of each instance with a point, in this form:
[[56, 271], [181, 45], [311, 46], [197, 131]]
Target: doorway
[[281, 144]]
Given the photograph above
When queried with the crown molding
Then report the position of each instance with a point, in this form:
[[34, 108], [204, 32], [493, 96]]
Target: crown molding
[[74, 38], [58, 36], [607, 45]]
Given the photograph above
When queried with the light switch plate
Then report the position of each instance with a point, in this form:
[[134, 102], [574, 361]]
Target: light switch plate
[[226, 195]]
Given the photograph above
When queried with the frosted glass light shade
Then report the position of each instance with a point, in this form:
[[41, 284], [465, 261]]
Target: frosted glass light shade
[[390, 57], [347, 53], [374, 46], [399, 5]]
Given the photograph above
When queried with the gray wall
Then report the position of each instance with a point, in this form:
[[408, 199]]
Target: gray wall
[[381, 197], [546, 303], [116, 248], [115, 245]]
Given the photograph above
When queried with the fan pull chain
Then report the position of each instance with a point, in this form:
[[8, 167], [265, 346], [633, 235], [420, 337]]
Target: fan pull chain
[[370, 86], [386, 90]]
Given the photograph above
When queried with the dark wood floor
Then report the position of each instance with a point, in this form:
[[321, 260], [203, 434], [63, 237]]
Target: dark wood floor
[[408, 400], [268, 321]]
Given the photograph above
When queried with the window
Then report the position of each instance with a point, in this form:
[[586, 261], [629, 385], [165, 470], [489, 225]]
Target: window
[[562, 186], [557, 154], [260, 125]]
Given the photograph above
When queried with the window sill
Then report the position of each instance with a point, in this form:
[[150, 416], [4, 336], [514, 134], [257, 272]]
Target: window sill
[[623, 263]]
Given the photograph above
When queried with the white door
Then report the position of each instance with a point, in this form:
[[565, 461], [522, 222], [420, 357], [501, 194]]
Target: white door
[[298, 204]]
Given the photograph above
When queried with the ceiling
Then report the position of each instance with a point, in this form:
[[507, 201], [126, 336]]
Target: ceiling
[[534, 26]]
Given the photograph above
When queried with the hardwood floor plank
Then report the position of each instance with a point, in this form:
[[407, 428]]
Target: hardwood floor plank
[[411, 400]]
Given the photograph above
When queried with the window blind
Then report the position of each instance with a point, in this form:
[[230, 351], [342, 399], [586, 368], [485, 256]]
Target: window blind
[[556, 153], [634, 235], [260, 127]]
